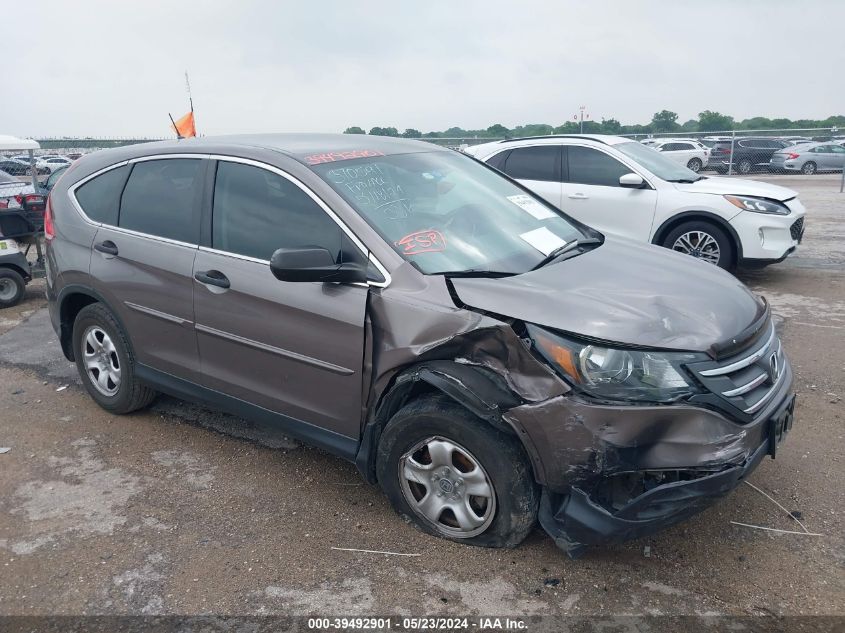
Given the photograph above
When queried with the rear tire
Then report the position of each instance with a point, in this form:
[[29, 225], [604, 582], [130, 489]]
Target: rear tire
[[703, 240], [744, 166], [12, 287], [808, 168], [105, 362], [694, 165], [433, 454]]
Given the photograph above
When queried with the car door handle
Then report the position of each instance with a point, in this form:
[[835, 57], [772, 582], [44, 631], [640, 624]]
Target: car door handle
[[578, 196], [212, 278], [106, 248]]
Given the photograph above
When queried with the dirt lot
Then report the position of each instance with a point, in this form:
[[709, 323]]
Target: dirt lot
[[182, 510]]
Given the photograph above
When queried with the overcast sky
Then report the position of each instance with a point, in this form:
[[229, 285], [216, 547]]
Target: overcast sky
[[116, 68]]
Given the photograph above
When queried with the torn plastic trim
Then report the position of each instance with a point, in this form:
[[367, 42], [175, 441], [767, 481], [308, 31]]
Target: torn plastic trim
[[575, 520]]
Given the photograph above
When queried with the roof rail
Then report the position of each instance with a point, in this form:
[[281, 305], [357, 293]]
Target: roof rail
[[587, 137]]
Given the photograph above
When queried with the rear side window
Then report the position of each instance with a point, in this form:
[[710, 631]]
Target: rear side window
[[589, 166], [533, 163], [100, 196], [256, 212], [498, 161], [159, 199]]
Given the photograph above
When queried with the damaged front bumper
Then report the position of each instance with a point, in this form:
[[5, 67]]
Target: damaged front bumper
[[612, 474]]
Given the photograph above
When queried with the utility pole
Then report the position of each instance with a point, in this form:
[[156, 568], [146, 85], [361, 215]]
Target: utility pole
[[582, 108]]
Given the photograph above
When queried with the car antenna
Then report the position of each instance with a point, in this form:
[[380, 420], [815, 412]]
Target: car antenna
[[178, 136]]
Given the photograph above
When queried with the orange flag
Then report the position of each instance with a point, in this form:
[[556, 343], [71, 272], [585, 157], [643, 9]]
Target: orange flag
[[185, 126]]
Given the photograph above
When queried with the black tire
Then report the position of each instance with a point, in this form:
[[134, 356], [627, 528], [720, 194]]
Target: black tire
[[727, 249], [12, 287], [500, 454], [744, 166], [695, 165], [130, 395], [809, 168]]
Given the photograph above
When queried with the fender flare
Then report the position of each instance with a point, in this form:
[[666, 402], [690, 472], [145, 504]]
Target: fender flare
[[479, 390], [707, 216], [66, 328]]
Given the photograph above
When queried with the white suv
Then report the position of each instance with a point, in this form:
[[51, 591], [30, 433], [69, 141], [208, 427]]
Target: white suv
[[621, 186], [684, 151]]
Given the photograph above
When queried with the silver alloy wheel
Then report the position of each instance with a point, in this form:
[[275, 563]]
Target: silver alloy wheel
[[698, 244], [447, 487], [694, 165], [101, 361], [8, 289], [809, 168]]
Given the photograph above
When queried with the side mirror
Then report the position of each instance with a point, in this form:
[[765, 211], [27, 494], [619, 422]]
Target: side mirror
[[631, 181], [313, 263]]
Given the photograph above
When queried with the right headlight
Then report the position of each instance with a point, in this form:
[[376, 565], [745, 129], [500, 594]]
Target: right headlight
[[758, 205], [612, 373]]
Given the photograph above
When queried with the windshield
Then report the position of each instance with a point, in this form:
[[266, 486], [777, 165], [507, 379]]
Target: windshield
[[659, 165], [446, 213]]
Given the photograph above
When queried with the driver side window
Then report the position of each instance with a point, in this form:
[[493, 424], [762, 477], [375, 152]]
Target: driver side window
[[588, 166], [255, 212]]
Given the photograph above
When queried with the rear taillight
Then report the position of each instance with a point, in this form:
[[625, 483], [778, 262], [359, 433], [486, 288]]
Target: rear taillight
[[30, 200], [49, 230], [792, 156]]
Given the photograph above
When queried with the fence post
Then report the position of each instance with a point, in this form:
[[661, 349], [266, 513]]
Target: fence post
[[33, 173], [842, 182], [731, 159]]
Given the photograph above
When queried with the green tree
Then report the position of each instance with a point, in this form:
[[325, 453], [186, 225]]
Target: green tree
[[664, 121], [714, 122], [354, 130], [690, 126], [384, 131], [498, 130], [411, 133], [611, 126]]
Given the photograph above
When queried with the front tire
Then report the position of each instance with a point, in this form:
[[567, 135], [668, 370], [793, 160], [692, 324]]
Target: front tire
[[694, 165], [12, 287], [808, 168], [105, 362], [703, 240], [455, 476]]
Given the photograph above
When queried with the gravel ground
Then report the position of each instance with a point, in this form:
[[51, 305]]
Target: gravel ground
[[183, 510]]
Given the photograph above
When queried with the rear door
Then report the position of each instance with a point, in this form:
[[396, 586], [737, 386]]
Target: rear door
[[538, 168], [592, 194], [144, 254], [836, 156], [292, 348]]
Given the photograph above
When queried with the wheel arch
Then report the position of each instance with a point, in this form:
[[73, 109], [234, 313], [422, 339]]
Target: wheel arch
[[71, 300], [23, 273], [705, 216], [481, 391]]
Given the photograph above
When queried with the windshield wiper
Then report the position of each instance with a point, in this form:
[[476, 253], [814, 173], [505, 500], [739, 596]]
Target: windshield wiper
[[478, 272], [562, 250], [687, 180]]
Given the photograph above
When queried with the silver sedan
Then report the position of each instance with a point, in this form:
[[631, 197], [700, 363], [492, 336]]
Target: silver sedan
[[809, 158]]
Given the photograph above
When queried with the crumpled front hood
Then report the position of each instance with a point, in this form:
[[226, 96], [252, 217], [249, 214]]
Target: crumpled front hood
[[624, 292], [737, 187]]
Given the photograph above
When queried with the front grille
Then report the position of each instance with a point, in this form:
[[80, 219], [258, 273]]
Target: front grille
[[797, 229], [747, 381]]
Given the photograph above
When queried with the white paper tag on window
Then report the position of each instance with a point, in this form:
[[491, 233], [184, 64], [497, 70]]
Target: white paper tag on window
[[530, 205], [543, 240]]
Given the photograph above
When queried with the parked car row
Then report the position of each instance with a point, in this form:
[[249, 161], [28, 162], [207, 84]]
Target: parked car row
[[621, 186], [744, 155], [20, 164]]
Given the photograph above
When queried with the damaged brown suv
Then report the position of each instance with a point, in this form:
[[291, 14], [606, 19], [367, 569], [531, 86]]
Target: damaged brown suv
[[484, 358]]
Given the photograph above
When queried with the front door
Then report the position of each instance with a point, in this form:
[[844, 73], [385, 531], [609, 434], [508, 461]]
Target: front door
[[592, 194], [292, 348]]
